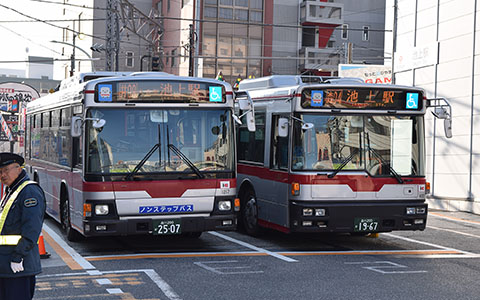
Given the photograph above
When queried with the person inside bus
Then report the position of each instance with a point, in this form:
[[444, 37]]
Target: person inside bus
[[22, 212]]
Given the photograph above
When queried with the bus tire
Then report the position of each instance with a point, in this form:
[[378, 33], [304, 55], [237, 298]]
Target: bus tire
[[72, 234], [249, 213]]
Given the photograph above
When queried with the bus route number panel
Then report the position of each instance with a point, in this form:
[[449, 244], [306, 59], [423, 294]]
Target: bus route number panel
[[167, 227], [362, 98], [155, 91]]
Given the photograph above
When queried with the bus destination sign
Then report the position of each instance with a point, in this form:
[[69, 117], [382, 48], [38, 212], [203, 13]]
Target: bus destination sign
[[362, 98], [160, 91]]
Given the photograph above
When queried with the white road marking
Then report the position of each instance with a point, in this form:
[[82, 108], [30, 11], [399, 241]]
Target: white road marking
[[250, 246], [114, 291], [104, 281], [379, 266], [455, 231], [74, 254], [164, 286], [426, 243], [225, 270], [453, 219]]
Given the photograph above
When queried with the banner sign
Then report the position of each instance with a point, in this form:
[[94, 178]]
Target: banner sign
[[6, 132]]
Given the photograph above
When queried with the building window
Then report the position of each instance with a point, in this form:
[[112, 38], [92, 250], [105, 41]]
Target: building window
[[243, 3], [345, 31], [225, 13], [257, 4], [241, 14], [365, 33], [256, 16], [129, 59], [210, 12]]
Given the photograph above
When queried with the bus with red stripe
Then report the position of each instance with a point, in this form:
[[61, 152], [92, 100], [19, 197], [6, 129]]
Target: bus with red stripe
[[139, 153], [334, 155]]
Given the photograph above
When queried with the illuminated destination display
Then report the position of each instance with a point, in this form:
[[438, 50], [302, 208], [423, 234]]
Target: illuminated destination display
[[160, 91], [362, 98]]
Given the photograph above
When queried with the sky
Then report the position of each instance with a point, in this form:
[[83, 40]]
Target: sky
[[21, 39]]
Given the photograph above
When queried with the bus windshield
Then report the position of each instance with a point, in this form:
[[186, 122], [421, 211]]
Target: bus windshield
[[379, 144], [151, 141]]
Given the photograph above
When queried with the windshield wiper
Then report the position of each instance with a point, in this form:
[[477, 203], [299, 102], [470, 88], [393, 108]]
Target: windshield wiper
[[382, 160], [143, 161], [186, 160], [344, 163]]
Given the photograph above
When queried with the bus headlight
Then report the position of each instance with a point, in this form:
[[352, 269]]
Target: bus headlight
[[410, 210], [101, 209], [224, 205]]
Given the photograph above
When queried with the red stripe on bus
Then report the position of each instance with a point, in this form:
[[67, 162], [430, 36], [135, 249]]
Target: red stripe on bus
[[274, 226], [358, 183], [157, 188], [89, 92]]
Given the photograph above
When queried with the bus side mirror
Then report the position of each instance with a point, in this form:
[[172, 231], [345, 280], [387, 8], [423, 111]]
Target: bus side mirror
[[250, 121], [77, 123], [283, 127], [442, 110], [76, 129], [447, 123]]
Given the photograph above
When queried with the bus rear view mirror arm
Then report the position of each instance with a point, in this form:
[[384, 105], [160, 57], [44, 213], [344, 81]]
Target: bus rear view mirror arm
[[77, 123]]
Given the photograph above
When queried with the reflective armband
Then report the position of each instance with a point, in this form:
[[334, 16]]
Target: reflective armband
[[11, 240]]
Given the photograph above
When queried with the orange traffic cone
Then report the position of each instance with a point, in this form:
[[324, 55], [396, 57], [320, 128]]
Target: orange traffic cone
[[41, 247]]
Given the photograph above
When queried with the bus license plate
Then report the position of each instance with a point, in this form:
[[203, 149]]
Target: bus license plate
[[167, 227], [365, 224]]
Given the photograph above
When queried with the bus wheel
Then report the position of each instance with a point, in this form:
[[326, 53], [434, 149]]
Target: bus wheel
[[250, 214], [72, 234]]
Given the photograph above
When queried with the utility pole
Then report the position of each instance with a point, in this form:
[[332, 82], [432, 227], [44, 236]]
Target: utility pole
[[191, 48], [72, 57], [111, 50], [349, 53]]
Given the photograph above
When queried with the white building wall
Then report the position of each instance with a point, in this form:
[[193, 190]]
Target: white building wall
[[453, 165]]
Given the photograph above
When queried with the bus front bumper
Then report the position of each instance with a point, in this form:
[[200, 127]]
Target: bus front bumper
[[359, 217], [146, 226]]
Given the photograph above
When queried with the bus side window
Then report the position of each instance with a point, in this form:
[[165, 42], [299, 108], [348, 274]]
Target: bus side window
[[279, 147]]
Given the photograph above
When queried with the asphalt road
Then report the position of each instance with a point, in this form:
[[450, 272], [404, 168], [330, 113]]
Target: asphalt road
[[442, 262]]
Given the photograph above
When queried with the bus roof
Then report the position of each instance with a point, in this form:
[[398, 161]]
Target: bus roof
[[83, 77], [275, 81]]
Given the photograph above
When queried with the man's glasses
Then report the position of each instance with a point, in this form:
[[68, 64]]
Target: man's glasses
[[7, 169]]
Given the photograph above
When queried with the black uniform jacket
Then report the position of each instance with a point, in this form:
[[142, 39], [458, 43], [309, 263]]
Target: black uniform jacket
[[24, 218]]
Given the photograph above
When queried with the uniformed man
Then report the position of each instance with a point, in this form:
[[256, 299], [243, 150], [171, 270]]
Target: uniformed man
[[22, 210]]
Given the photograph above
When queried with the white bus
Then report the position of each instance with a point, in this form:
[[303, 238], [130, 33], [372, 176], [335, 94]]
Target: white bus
[[140, 153], [338, 155]]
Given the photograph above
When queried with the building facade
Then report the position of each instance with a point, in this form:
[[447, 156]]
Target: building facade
[[436, 46]]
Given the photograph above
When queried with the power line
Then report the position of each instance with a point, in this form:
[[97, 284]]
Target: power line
[[68, 4], [28, 39]]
